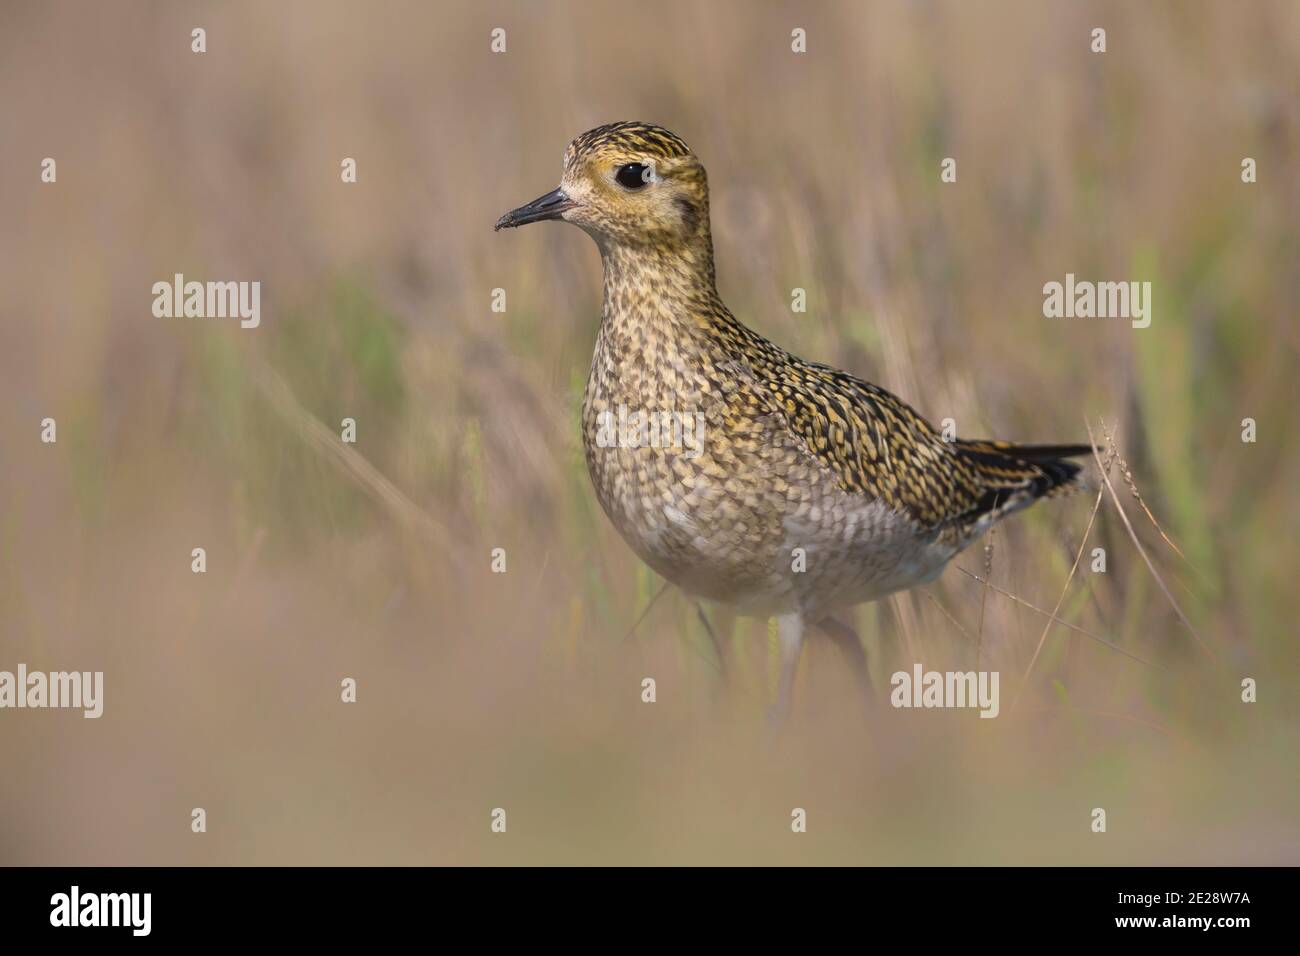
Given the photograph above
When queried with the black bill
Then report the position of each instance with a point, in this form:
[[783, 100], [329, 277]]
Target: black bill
[[550, 206]]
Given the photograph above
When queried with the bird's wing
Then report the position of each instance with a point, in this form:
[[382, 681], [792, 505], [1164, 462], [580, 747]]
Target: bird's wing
[[876, 444]]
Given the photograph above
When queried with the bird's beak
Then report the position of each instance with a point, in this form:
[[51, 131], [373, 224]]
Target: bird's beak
[[551, 206]]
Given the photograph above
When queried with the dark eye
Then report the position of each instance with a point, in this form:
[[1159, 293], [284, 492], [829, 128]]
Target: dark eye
[[633, 175]]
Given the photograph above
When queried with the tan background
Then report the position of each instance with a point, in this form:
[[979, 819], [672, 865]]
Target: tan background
[[479, 690]]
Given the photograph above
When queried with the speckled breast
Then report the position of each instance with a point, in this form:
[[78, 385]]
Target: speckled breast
[[711, 490]]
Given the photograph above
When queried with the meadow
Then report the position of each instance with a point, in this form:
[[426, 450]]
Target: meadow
[[522, 690]]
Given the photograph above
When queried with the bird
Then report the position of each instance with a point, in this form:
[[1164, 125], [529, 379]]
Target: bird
[[746, 476]]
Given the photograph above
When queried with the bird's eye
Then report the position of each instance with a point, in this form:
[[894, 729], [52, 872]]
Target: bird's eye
[[633, 175]]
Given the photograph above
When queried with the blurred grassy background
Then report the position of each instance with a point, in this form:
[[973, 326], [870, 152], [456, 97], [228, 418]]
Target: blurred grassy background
[[479, 690]]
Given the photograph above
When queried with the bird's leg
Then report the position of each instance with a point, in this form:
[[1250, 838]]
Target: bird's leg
[[789, 634], [713, 638], [847, 641]]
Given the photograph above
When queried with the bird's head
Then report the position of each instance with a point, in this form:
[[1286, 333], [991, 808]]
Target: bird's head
[[627, 184]]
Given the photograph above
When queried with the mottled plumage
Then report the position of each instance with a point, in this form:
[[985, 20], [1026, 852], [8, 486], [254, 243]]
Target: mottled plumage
[[812, 490]]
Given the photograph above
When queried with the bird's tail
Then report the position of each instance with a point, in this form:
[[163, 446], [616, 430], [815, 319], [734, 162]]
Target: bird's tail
[[1016, 475]]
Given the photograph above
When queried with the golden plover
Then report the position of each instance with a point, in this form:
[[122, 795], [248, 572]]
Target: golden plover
[[736, 470]]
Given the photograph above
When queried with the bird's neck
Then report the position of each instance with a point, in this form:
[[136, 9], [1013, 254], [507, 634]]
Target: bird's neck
[[660, 291]]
